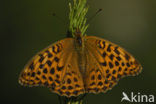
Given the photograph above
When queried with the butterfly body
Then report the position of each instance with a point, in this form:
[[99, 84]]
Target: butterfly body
[[83, 64], [79, 42]]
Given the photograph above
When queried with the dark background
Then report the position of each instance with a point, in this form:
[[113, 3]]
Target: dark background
[[27, 26]]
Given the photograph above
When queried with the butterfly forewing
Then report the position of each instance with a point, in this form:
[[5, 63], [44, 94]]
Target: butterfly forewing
[[54, 68], [112, 62]]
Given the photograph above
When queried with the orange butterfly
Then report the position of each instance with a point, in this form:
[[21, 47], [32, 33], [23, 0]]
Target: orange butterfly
[[83, 64]]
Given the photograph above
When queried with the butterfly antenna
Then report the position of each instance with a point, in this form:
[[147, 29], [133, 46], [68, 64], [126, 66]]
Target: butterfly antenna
[[97, 12]]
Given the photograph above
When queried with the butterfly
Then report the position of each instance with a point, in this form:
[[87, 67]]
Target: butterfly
[[79, 65]]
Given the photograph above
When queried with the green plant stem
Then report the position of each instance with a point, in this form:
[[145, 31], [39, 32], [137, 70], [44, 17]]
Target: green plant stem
[[71, 100], [76, 102]]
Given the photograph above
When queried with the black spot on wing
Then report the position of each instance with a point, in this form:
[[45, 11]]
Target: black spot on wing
[[109, 48], [99, 77], [114, 71], [50, 78], [93, 83], [49, 63], [75, 79], [53, 49], [63, 87], [118, 58], [49, 54], [33, 74], [104, 54], [116, 50], [41, 58], [70, 87], [31, 66], [56, 59], [104, 63], [116, 63], [58, 48], [52, 71], [127, 56], [111, 56], [92, 77], [60, 68], [38, 72], [68, 81], [45, 71], [41, 66], [111, 65], [100, 83]]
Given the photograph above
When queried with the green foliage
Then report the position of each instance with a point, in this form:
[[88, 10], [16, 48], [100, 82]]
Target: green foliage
[[77, 16]]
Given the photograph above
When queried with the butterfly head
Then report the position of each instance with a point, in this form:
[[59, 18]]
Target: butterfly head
[[79, 40]]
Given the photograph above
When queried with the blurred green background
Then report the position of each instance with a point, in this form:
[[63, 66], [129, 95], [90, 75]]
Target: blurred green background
[[27, 26]]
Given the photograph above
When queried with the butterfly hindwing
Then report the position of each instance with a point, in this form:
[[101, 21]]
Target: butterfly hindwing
[[113, 61], [94, 77], [72, 82]]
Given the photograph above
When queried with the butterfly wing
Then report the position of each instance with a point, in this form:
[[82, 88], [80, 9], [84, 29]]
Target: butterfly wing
[[108, 64], [94, 77], [55, 68]]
